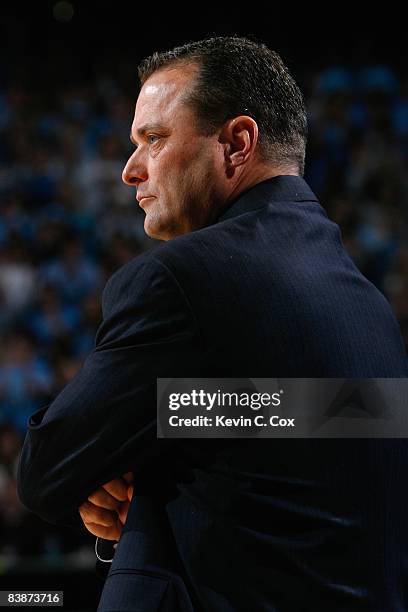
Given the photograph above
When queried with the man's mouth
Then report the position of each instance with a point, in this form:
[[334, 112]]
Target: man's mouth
[[143, 199], [141, 194]]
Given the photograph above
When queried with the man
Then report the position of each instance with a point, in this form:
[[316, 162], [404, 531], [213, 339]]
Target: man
[[252, 280]]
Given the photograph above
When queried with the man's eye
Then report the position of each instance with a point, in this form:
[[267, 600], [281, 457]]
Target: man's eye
[[152, 138]]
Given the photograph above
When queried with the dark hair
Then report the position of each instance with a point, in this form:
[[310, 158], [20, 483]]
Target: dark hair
[[238, 76]]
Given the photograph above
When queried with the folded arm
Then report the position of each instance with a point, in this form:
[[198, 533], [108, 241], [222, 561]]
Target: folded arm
[[104, 421]]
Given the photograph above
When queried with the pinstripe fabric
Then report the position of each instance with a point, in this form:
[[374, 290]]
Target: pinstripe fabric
[[240, 525]]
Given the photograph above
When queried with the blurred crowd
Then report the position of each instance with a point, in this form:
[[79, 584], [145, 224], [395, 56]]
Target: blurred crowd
[[67, 223], [357, 162]]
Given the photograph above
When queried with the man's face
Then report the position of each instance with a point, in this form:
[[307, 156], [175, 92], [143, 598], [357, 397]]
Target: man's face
[[177, 170]]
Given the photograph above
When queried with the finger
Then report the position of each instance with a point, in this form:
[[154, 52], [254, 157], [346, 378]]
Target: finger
[[103, 499], [123, 512], [130, 492], [93, 514], [128, 477], [117, 488], [107, 533]]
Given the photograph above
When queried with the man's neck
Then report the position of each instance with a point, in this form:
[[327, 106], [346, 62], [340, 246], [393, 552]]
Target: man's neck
[[255, 176]]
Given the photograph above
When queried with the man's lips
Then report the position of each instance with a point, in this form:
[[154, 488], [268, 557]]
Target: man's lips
[[140, 198]]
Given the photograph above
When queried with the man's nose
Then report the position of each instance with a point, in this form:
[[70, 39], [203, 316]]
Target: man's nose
[[135, 171]]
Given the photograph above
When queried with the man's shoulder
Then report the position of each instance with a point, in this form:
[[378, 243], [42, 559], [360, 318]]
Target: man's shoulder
[[145, 286], [133, 267], [176, 254], [144, 278]]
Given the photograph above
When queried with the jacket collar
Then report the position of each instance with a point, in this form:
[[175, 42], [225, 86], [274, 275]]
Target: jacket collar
[[283, 188]]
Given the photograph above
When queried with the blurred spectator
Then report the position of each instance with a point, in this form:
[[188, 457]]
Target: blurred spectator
[[52, 319], [73, 274], [14, 220], [17, 275], [99, 177], [65, 369], [25, 380]]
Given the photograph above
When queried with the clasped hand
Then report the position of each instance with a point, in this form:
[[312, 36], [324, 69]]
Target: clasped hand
[[105, 512]]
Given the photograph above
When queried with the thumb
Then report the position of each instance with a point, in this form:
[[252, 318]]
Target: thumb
[[130, 492], [123, 512]]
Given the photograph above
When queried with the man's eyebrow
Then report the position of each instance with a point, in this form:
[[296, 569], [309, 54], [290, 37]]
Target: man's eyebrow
[[142, 131]]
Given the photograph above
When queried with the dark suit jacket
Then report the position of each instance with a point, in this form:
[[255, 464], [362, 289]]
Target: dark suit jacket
[[234, 525]]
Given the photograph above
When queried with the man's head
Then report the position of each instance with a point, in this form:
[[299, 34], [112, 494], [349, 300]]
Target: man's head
[[212, 119]]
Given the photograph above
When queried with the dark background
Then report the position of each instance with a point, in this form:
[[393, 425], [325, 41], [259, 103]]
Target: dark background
[[67, 91]]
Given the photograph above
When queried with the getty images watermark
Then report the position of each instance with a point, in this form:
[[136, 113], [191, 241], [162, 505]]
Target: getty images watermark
[[226, 399], [266, 407]]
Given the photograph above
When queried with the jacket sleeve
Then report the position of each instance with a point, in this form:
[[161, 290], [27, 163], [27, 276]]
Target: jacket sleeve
[[104, 421]]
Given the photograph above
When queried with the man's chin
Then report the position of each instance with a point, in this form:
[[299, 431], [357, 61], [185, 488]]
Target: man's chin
[[165, 229], [155, 230]]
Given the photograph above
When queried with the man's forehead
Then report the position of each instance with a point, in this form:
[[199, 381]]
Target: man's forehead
[[155, 93], [162, 92], [175, 76]]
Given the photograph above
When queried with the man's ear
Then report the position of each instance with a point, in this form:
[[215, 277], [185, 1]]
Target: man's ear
[[239, 137]]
